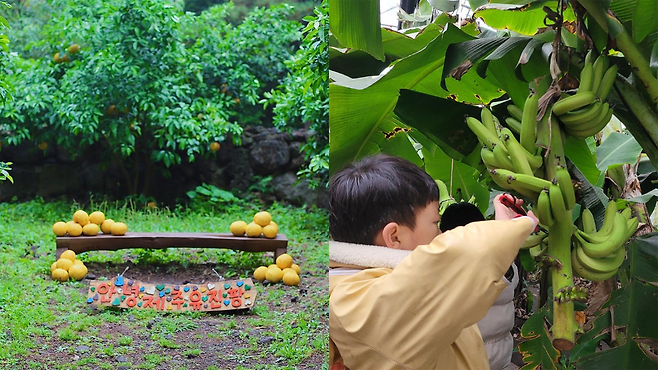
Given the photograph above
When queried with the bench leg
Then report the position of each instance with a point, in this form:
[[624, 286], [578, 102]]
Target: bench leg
[[59, 251], [278, 252]]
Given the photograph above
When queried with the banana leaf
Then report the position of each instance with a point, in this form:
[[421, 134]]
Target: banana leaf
[[526, 17], [617, 149], [356, 24], [537, 348]]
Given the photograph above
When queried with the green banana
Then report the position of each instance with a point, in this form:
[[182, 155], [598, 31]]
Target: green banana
[[573, 102], [543, 209], [608, 219], [601, 265], [582, 115], [600, 67], [516, 153], [566, 186], [505, 179], [499, 179], [531, 182], [558, 208], [607, 82], [487, 120], [513, 124], [589, 56], [445, 199], [594, 126], [631, 227], [515, 111], [502, 158], [534, 160], [608, 246], [490, 159], [586, 75], [584, 273], [627, 213], [538, 250], [534, 239], [589, 224], [529, 123], [487, 138]]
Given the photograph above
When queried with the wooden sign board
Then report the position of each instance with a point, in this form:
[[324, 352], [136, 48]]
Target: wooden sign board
[[225, 295]]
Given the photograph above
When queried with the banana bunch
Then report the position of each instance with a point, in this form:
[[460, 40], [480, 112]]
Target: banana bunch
[[557, 199], [597, 255], [586, 113]]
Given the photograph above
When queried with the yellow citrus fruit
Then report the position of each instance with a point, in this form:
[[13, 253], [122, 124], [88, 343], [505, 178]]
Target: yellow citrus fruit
[[81, 217], [60, 274], [274, 264], [57, 58], [199, 116], [152, 205], [262, 218], [90, 229], [259, 273], [272, 223], [78, 262], [284, 261], [74, 228], [97, 217], [106, 226], [254, 230], [270, 231], [118, 228], [42, 145], [60, 228], [78, 271], [214, 146], [238, 228], [68, 254], [296, 268], [65, 58], [74, 48], [53, 266], [274, 274], [64, 264], [291, 278], [285, 270]]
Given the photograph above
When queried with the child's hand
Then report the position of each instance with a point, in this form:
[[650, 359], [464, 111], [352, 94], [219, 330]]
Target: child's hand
[[503, 212]]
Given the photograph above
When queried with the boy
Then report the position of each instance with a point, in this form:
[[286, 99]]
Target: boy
[[418, 311]]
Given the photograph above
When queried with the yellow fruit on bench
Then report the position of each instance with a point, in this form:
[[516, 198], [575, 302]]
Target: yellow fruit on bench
[[68, 254], [74, 228], [106, 226], [78, 262], [262, 218], [59, 228], [291, 278], [78, 271], [259, 273], [254, 230], [60, 275], [90, 229], [238, 228], [274, 274], [284, 261], [64, 264], [81, 217], [270, 231], [118, 228], [97, 217]]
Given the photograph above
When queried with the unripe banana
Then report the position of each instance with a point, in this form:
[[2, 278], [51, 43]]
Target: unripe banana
[[538, 250], [586, 78], [611, 244], [627, 213], [488, 121], [566, 186], [584, 273], [534, 239], [631, 227], [606, 228], [589, 56], [502, 158], [506, 180], [531, 182], [582, 115], [516, 153], [558, 208], [607, 82], [534, 160], [515, 111], [513, 124], [492, 161], [543, 209], [487, 138], [529, 123], [600, 265], [589, 224], [573, 102], [499, 179], [600, 67], [595, 126]]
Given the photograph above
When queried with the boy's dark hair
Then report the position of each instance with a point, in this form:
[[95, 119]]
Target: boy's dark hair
[[370, 193], [459, 214]]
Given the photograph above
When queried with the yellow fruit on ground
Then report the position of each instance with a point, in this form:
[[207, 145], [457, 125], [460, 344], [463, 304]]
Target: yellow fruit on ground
[[81, 217], [285, 270], [77, 271], [274, 274], [284, 261], [238, 228], [90, 229], [42, 145], [259, 273], [60, 275], [97, 218], [296, 268], [53, 266], [270, 231], [214, 146], [262, 218], [254, 230], [68, 254], [60, 228], [274, 264], [74, 228], [118, 228], [64, 264], [78, 262], [106, 226], [291, 278], [74, 48]]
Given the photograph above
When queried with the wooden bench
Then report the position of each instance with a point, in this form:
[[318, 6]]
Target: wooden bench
[[80, 244]]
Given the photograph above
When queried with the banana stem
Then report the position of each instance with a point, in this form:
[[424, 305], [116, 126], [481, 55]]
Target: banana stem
[[639, 108]]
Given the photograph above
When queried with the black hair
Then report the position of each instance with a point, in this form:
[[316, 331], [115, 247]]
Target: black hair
[[370, 193], [459, 214]]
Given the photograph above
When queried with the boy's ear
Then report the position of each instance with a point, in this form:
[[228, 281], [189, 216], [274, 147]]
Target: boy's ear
[[390, 236]]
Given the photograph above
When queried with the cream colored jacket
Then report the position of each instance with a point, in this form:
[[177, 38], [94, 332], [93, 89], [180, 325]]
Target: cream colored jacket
[[421, 313]]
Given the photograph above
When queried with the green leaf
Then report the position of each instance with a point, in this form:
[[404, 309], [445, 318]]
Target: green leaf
[[527, 261], [580, 154], [525, 19], [587, 343], [644, 20], [617, 148], [644, 198], [465, 54], [537, 348], [356, 24]]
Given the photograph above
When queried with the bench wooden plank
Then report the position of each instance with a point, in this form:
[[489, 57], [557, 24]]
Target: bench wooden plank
[[80, 244]]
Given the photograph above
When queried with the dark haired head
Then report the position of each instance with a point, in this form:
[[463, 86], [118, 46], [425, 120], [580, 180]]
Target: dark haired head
[[367, 195], [459, 214]]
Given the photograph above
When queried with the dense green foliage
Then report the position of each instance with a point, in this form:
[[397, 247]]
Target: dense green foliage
[[243, 7], [4, 88], [304, 95]]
